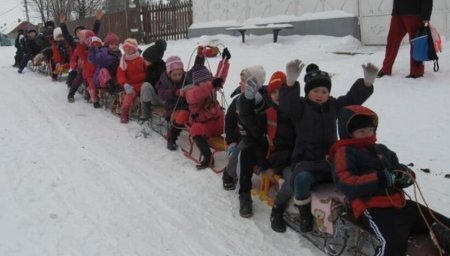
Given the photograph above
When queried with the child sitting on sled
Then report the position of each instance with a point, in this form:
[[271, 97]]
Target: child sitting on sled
[[130, 75], [206, 115], [176, 108], [314, 117], [106, 57], [370, 175]]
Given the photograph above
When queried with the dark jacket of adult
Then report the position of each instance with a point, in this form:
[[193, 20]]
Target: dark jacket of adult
[[315, 124], [31, 47], [413, 7]]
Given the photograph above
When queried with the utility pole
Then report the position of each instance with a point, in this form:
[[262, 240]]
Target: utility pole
[[25, 4]]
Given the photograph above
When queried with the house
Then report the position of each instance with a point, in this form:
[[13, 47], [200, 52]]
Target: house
[[367, 20]]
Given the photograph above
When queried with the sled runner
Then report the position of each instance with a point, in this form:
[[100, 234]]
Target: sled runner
[[135, 109]]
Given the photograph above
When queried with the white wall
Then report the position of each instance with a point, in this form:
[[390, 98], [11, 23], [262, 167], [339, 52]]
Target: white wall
[[374, 14]]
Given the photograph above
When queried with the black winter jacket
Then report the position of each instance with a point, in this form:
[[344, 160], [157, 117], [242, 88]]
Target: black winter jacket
[[413, 7]]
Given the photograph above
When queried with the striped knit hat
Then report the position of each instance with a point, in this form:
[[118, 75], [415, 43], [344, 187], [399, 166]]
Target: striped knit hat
[[200, 73]]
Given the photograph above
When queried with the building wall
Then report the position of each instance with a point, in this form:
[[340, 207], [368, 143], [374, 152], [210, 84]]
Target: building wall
[[374, 15]]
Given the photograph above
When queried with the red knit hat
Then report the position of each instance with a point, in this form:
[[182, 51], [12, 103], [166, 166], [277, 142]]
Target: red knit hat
[[276, 80], [111, 38]]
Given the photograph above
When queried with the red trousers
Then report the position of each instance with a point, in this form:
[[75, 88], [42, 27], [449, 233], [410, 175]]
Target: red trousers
[[399, 27]]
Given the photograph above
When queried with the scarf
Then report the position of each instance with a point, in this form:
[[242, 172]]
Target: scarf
[[357, 143], [127, 57]]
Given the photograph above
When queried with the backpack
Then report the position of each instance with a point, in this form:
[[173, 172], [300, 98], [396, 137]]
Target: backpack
[[425, 46]]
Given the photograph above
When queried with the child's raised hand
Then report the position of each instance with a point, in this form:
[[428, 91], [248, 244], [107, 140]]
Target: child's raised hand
[[226, 54], [293, 70], [62, 18], [370, 73], [99, 14], [252, 88]]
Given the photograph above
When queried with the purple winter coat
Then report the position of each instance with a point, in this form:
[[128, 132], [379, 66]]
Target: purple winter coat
[[104, 58], [167, 92]]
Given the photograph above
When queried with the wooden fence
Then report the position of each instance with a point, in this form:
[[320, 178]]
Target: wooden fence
[[146, 24], [167, 21]]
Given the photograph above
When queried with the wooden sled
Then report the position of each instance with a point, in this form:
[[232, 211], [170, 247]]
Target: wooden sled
[[217, 144]]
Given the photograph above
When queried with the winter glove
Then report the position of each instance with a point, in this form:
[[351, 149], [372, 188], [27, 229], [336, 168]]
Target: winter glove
[[252, 88], [128, 88], [217, 82], [293, 70], [370, 73], [404, 177], [232, 148], [226, 54], [389, 178]]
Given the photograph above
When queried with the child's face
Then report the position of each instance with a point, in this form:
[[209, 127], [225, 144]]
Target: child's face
[[129, 50], [363, 133], [113, 47], [274, 96], [319, 95], [32, 35], [176, 75]]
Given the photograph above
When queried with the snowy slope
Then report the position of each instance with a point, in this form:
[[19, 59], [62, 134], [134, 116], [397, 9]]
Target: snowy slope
[[74, 181]]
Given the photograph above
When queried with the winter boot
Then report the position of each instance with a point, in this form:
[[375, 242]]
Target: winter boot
[[276, 218], [71, 95], [97, 105], [245, 205], [171, 145], [228, 182], [203, 146], [71, 77], [306, 218], [146, 111], [443, 237]]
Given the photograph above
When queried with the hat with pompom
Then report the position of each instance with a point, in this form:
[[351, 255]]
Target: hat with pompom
[[155, 52], [276, 80], [316, 78], [111, 38]]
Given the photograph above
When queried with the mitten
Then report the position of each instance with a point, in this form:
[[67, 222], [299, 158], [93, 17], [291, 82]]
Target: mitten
[[370, 73], [232, 148], [389, 178], [404, 177], [217, 82], [128, 88], [251, 89], [293, 70], [226, 54]]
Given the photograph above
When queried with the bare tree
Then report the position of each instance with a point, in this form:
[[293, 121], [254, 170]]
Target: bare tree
[[51, 9], [87, 8]]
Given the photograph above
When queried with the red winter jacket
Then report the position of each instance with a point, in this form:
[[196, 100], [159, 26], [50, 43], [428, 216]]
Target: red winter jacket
[[56, 54], [134, 74], [88, 68], [202, 99]]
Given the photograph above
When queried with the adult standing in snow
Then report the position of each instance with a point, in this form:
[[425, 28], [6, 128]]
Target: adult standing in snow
[[371, 177], [407, 17]]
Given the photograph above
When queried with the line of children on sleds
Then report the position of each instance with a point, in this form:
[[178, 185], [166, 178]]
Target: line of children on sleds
[[269, 129]]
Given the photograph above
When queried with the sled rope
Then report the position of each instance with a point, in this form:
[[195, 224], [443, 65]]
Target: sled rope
[[417, 188]]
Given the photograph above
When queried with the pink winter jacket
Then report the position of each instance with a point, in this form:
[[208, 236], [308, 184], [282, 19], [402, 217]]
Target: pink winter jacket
[[202, 99]]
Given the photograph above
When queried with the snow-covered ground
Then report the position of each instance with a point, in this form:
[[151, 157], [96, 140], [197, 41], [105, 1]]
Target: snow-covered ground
[[74, 181]]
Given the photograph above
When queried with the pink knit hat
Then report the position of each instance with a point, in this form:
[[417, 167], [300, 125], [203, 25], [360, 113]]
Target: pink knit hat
[[111, 38], [172, 63]]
